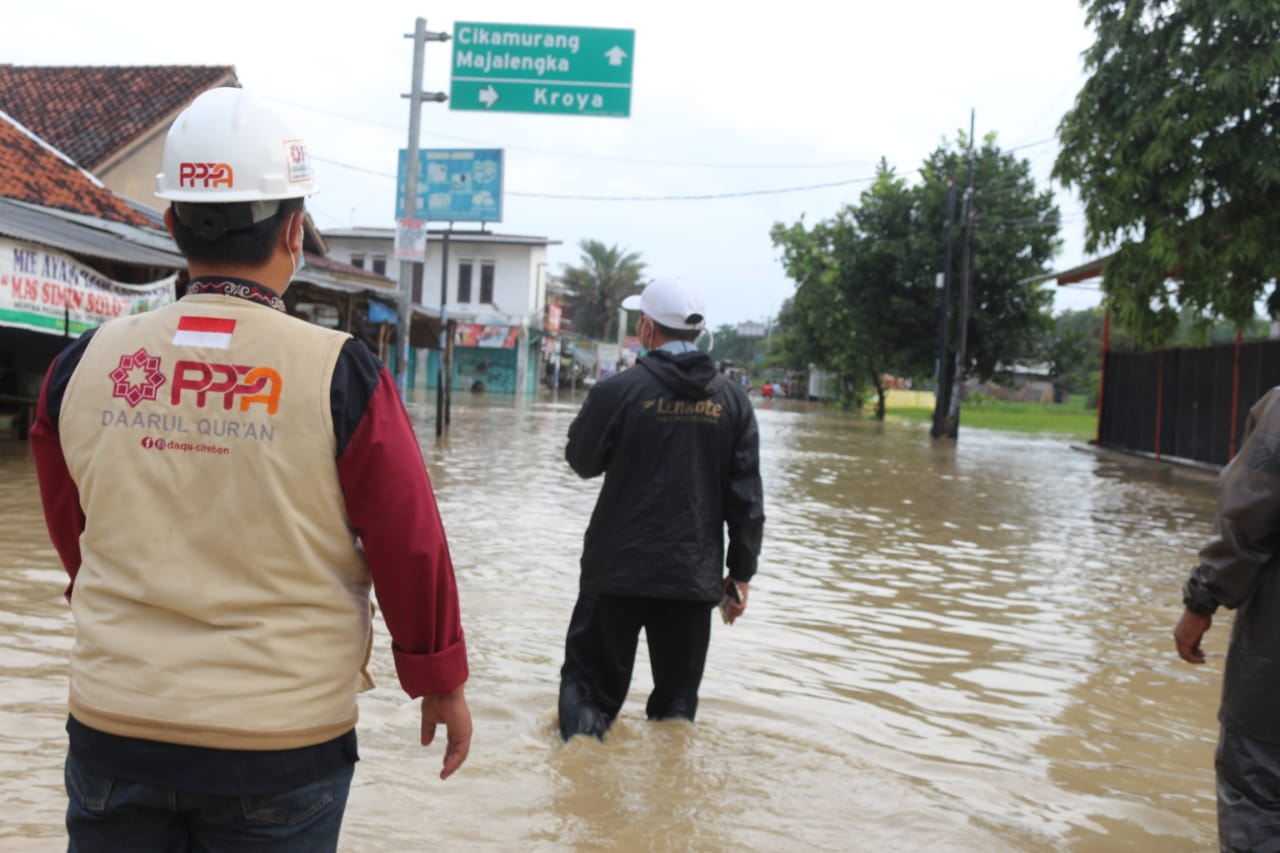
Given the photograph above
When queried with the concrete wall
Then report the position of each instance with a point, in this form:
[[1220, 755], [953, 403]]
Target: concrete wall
[[519, 295], [135, 176], [519, 287]]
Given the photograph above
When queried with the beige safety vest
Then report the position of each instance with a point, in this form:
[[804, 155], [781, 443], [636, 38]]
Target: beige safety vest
[[221, 600]]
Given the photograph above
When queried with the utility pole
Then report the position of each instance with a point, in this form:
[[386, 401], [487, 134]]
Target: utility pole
[[445, 365], [966, 288], [409, 270], [942, 374]]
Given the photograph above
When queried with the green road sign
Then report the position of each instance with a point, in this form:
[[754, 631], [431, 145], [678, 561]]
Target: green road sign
[[563, 98], [541, 69]]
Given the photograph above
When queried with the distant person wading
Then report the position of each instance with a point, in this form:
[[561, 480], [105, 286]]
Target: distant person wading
[[677, 444]]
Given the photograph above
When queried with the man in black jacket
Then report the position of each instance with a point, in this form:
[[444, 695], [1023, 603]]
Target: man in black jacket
[[678, 445], [1240, 569]]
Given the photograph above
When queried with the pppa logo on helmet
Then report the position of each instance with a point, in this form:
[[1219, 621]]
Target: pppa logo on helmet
[[206, 175], [299, 165]]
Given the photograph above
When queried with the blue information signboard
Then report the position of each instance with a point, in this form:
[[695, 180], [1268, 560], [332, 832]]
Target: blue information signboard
[[455, 185]]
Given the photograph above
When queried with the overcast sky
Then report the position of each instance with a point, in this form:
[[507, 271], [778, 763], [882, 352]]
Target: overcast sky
[[726, 101]]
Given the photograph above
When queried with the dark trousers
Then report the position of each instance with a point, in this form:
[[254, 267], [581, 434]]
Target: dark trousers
[[1248, 772], [109, 814], [600, 651]]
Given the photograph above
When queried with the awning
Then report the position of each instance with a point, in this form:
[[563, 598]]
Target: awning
[[330, 274], [87, 236], [318, 278]]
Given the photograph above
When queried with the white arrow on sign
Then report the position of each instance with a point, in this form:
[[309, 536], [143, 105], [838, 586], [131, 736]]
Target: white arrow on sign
[[615, 55], [488, 96]]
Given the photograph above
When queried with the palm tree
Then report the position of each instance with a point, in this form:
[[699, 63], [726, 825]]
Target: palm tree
[[607, 275]]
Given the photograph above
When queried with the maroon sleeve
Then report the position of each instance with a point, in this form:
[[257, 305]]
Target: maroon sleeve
[[58, 492], [390, 502]]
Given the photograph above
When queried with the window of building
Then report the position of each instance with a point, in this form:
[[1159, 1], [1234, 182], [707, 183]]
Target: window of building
[[380, 264], [357, 261], [486, 283], [464, 281]]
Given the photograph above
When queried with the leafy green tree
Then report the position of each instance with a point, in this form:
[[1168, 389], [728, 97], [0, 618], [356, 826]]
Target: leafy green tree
[[1197, 330], [1073, 346], [1013, 237], [606, 276], [789, 346], [818, 326], [866, 300], [862, 290], [890, 283], [744, 351], [1171, 144]]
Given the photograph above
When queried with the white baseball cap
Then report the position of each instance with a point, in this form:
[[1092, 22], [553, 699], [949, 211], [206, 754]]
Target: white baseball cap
[[671, 302]]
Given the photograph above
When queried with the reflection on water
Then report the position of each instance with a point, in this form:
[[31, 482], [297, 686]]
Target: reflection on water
[[959, 647]]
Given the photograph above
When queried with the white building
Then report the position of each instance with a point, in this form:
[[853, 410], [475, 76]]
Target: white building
[[494, 286]]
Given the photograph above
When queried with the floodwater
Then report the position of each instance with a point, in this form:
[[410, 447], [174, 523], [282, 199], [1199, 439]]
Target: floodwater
[[948, 647]]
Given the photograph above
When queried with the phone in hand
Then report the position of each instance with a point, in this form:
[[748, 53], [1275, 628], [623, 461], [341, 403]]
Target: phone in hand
[[732, 596]]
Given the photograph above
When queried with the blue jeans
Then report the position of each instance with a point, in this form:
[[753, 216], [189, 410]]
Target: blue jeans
[[108, 813]]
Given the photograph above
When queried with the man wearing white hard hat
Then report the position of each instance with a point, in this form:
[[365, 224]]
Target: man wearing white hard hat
[[678, 447], [225, 484]]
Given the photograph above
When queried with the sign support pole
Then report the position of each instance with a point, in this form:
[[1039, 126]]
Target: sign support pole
[[444, 372], [404, 295]]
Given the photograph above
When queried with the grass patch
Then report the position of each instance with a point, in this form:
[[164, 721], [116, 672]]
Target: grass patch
[[1069, 419]]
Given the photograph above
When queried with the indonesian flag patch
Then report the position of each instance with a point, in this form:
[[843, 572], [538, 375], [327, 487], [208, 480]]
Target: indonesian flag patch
[[211, 332]]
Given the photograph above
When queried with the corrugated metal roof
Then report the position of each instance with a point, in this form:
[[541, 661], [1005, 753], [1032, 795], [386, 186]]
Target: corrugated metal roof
[[115, 241], [1074, 275], [435, 235], [84, 235], [324, 281]]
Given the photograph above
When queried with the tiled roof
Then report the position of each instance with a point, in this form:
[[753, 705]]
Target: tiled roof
[[91, 113], [33, 172]]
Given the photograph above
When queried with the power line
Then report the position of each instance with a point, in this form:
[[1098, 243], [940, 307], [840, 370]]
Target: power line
[[340, 164], [577, 155], [1044, 141], [1054, 103], [629, 160], [1013, 189], [702, 197], [566, 197]]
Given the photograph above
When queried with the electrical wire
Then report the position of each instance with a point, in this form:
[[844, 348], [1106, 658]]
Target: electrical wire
[[686, 197], [568, 197], [985, 195], [698, 197], [577, 155]]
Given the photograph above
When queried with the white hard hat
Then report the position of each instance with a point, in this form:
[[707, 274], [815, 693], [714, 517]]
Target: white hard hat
[[229, 146], [672, 302]]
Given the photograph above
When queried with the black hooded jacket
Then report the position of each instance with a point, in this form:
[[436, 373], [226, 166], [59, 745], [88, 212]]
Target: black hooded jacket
[[678, 445], [1240, 569]]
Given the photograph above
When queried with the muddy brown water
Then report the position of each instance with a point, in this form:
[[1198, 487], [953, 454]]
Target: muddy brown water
[[950, 647]]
